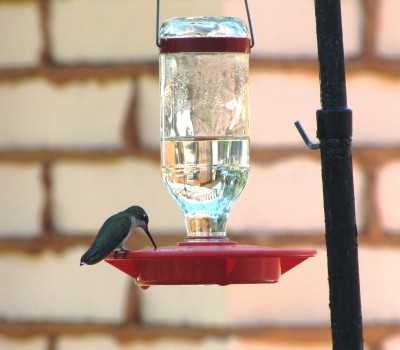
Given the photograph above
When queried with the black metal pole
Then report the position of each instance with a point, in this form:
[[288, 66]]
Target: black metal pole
[[334, 129]]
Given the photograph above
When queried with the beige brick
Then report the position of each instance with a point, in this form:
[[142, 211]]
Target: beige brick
[[376, 108], [21, 200], [391, 343], [251, 344], [185, 305], [20, 40], [380, 285], [85, 194], [39, 113], [388, 30], [287, 27], [53, 286], [104, 30], [149, 112], [277, 101], [37, 343], [94, 342], [108, 343], [388, 196], [286, 195]]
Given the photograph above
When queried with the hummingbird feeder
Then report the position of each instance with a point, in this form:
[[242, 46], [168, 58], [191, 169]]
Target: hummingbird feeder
[[204, 87]]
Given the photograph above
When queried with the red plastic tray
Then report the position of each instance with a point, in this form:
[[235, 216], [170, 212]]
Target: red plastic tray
[[206, 263]]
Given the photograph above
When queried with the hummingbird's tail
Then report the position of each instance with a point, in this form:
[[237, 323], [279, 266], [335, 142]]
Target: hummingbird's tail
[[97, 252], [93, 256]]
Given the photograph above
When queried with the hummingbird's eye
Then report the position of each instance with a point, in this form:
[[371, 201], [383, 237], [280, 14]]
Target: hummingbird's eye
[[145, 218]]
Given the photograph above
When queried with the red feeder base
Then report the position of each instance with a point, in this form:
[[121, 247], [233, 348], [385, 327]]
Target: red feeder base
[[203, 263]]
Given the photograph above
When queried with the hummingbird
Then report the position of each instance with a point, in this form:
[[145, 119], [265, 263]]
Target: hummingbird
[[114, 232]]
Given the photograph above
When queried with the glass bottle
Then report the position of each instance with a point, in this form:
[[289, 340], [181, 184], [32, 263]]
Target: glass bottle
[[204, 87]]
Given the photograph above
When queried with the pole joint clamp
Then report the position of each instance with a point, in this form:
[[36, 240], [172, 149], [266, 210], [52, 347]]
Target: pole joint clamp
[[334, 123]]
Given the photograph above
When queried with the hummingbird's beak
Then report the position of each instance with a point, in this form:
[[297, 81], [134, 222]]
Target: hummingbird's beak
[[143, 225]]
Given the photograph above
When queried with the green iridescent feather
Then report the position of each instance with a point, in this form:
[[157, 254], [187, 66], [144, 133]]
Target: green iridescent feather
[[114, 230]]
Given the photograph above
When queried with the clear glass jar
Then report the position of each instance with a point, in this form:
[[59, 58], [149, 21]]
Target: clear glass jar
[[204, 86]]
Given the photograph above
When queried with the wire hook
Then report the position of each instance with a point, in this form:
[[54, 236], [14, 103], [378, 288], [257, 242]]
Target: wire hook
[[306, 139], [250, 25], [158, 24], [248, 20]]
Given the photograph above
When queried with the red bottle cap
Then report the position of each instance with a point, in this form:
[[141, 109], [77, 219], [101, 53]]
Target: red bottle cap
[[205, 44]]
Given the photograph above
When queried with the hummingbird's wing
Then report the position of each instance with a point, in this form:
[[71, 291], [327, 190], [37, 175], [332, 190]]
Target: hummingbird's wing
[[114, 230]]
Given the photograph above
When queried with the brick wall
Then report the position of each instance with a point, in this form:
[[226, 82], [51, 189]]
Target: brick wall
[[79, 133]]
